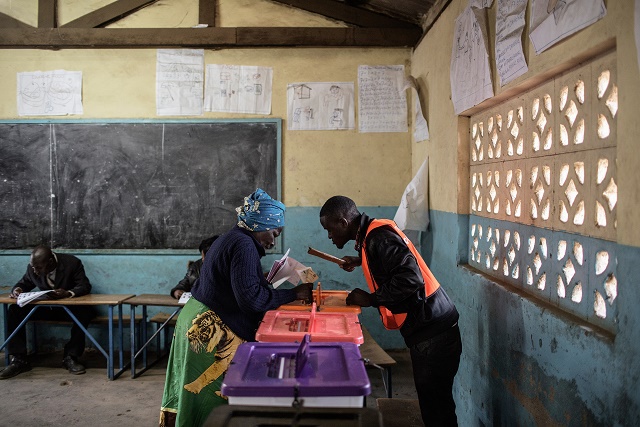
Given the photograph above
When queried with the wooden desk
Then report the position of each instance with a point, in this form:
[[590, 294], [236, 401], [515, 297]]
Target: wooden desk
[[374, 356], [144, 300], [110, 300]]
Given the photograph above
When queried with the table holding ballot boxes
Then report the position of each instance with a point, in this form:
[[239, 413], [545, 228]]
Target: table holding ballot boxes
[[306, 355]]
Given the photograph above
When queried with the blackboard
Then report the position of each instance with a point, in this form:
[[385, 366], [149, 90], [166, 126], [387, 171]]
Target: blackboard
[[130, 185]]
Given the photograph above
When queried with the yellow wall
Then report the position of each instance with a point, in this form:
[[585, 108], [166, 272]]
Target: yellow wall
[[372, 168], [448, 145]]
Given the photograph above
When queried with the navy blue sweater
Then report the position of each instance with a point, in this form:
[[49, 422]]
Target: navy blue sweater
[[232, 283]]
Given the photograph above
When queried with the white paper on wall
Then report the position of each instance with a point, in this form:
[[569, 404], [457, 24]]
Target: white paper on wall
[[320, 106], [510, 22], [553, 20], [382, 103], [413, 212], [238, 89], [470, 73], [179, 82], [49, 93], [420, 128]]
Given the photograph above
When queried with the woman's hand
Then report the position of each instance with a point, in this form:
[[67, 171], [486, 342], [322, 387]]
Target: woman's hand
[[304, 292]]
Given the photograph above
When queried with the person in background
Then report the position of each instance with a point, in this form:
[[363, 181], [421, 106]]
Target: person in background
[[64, 275], [193, 270], [227, 303], [407, 296]]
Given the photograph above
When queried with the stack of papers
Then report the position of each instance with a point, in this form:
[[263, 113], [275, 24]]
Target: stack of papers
[[26, 297], [288, 269]]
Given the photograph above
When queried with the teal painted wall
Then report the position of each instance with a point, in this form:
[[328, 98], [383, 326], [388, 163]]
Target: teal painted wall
[[138, 272], [524, 361]]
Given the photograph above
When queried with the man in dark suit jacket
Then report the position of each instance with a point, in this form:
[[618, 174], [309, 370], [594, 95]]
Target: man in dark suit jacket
[[64, 275]]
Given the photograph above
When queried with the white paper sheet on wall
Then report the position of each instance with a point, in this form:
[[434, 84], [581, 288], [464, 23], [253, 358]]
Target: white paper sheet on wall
[[420, 128], [320, 106], [413, 212], [49, 93], [382, 102], [510, 22], [470, 73], [553, 20], [179, 82], [238, 89]]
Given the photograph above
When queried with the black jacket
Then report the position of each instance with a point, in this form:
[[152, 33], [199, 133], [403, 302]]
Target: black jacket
[[401, 287], [193, 272], [70, 276]]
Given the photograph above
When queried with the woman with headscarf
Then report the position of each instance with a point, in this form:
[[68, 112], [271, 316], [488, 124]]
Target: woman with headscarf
[[227, 304]]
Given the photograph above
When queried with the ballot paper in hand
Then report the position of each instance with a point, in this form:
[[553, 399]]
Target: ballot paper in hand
[[288, 269], [26, 297], [184, 297]]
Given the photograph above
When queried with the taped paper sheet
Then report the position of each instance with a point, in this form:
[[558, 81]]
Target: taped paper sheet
[[320, 106], [420, 128], [238, 89], [382, 103], [179, 82], [470, 72], [50, 93], [554, 20], [510, 61], [413, 212]]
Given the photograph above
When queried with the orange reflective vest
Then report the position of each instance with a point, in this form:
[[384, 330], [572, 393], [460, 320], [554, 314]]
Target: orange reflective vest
[[390, 320]]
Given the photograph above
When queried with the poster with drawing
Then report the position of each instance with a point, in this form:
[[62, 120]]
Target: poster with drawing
[[382, 100], [238, 89], [553, 20], [470, 73], [510, 61], [49, 93], [179, 82], [320, 106]]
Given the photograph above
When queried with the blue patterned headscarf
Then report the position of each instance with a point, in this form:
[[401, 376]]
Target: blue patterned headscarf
[[260, 212]]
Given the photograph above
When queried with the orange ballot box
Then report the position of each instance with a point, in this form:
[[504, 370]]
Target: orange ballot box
[[291, 326], [327, 301]]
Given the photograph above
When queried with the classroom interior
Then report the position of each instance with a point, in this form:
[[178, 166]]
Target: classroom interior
[[548, 306]]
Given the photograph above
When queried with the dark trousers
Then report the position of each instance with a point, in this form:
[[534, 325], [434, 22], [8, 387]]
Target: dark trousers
[[435, 363], [75, 346]]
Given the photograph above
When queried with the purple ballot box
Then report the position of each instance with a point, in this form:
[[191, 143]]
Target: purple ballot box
[[324, 374]]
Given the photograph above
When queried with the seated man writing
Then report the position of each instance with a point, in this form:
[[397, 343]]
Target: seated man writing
[[193, 270], [64, 275]]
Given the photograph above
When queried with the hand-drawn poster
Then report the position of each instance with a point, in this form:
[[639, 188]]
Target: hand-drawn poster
[[413, 212], [470, 72], [238, 89], [50, 93], [420, 128], [382, 101], [510, 22], [179, 82], [553, 20], [320, 106]]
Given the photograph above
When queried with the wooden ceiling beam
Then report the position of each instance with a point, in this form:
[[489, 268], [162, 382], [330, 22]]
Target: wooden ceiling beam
[[348, 14], [207, 12], [7, 21], [47, 13], [206, 38], [108, 14]]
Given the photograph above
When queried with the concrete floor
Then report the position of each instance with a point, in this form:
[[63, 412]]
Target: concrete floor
[[49, 396]]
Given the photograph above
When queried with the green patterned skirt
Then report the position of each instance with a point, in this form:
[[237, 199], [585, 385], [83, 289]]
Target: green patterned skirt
[[201, 351]]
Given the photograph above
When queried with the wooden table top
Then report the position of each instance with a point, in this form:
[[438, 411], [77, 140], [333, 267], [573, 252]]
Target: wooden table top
[[90, 299], [371, 350], [165, 300]]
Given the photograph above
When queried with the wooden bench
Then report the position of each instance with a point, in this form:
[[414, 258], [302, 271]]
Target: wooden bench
[[375, 357], [400, 412], [158, 320]]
